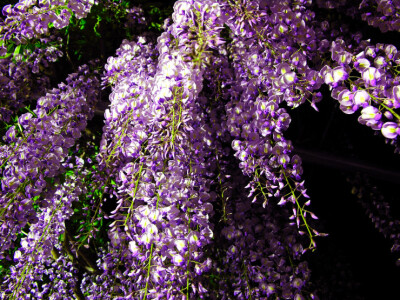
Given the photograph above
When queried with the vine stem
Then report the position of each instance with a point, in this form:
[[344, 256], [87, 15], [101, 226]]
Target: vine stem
[[300, 210], [150, 257]]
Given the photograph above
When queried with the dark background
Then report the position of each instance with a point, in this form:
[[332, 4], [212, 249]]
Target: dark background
[[354, 261]]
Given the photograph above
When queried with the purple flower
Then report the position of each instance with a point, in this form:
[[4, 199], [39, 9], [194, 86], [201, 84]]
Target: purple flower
[[390, 130], [135, 249], [396, 93], [370, 51], [339, 74], [236, 145], [298, 297], [270, 289], [180, 245], [361, 98], [361, 64], [344, 58], [10, 136], [390, 51], [346, 98], [371, 76], [289, 78], [7, 9], [348, 109], [370, 113], [380, 62], [178, 260]]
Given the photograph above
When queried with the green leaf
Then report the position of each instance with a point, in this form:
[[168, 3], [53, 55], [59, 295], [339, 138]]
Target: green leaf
[[6, 56], [10, 51], [10, 47], [96, 26], [82, 24], [154, 10], [17, 49], [69, 173], [61, 237]]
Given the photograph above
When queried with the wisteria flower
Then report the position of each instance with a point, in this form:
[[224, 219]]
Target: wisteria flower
[[390, 51], [380, 62], [289, 78], [339, 74], [396, 94], [178, 260], [390, 130], [371, 113], [361, 98], [181, 245], [346, 98], [344, 57], [328, 78], [371, 76], [361, 64], [348, 109]]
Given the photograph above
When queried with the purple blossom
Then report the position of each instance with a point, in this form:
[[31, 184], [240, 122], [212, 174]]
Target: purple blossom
[[390, 130], [206, 189], [361, 98], [371, 76], [361, 64], [45, 160], [339, 74]]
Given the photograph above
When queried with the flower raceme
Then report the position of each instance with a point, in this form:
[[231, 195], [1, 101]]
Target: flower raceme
[[206, 192], [27, 20], [51, 129], [167, 210]]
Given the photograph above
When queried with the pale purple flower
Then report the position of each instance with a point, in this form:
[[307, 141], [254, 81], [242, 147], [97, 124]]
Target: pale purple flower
[[370, 51], [283, 68], [328, 77], [361, 98], [178, 260], [339, 74], [135, 249], [371, 76], [348, 109], [361, 64], [390, 51], [390, 130], [270, 289], [396, 93], [380, 62], [344, 57], [346, 98], [371, 113], [289, 78]]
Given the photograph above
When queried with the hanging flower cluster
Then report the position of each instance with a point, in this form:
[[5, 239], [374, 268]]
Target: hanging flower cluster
[[192, 190]]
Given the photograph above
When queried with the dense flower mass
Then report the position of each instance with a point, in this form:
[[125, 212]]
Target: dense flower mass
[[191, 187]]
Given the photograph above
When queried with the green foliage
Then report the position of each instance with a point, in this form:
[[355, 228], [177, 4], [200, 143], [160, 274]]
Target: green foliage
[[157, 16], [21, 52], [86, 219], [14, 122]]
